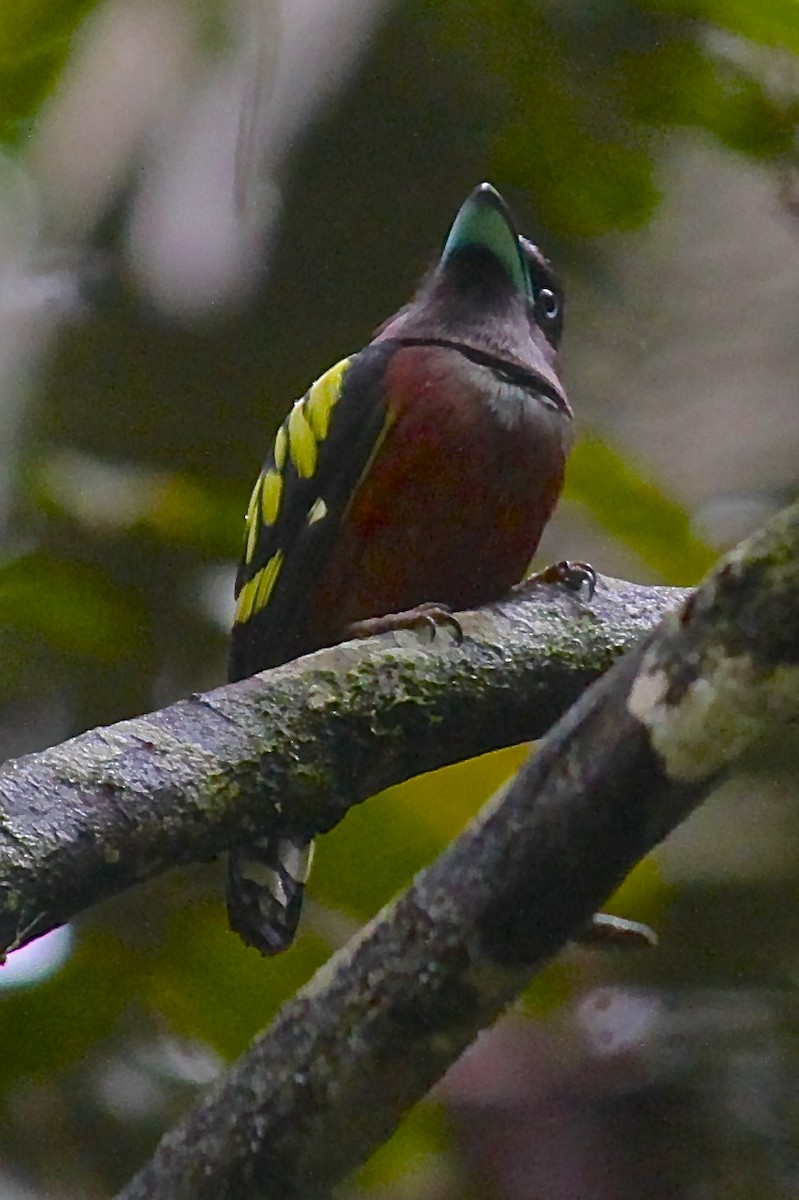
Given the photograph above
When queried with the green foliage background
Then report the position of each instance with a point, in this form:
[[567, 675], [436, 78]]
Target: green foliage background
[[141, 436]]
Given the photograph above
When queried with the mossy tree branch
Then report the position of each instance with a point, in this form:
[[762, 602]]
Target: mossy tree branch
[[118, 805], [386, 1016]]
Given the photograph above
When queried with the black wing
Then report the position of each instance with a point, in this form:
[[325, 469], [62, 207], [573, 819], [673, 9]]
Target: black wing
[[319, 456]]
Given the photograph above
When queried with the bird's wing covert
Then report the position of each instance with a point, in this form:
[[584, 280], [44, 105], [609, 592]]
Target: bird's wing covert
[[318, 458]]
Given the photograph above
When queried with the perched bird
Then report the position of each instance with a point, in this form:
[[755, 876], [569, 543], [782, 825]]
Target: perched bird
[[419, 472]]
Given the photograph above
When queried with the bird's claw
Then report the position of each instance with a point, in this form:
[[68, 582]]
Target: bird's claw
[[430, 615], [572, 573], [605, 930]]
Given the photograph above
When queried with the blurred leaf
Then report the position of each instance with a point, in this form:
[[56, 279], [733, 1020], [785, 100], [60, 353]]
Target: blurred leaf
[[35, 37], [422, 1137], [636, 511], [75, 608], [444, 801], [612, 189], [105, 497], [769, 22], [165, 951], [642, 894], [188, 976], [55, 1021], [362, 863], [556, 127], [718, 96], [366, 859], [574, 91]]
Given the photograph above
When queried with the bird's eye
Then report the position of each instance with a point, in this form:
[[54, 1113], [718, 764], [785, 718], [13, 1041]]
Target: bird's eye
[[547, 306]]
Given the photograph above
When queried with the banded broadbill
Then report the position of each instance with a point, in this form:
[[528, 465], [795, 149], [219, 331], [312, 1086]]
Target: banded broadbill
[[422, 469]]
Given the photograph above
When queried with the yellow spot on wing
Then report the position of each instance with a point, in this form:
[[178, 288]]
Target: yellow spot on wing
[[271, 493], [251, 521], [280, 447], [322, 398], [302, 443], [256, 592], [267, 578]]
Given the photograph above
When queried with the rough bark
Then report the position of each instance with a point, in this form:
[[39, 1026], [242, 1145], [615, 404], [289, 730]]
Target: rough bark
[[121, 804], [386, 1016]]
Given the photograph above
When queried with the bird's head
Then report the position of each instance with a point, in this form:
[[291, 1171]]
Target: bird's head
[[491, 291]]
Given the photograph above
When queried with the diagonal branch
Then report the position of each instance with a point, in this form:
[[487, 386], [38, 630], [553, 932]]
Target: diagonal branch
[[385, 1017], [118, 805]]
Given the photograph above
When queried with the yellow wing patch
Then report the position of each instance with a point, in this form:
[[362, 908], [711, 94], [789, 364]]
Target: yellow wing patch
[[256, 592], [302, 443], [321, 399], [280, 447], [308, 422], [271, 493], [296, 441], [251, 523]]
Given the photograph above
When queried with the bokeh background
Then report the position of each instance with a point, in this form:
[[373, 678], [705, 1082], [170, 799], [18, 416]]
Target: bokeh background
[[203, 204]]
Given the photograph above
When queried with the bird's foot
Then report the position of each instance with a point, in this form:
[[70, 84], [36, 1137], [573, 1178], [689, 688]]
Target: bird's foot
[[430, 616], [575, 575], [605, 930]]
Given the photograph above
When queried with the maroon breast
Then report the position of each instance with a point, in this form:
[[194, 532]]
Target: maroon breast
[[455, 501]]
